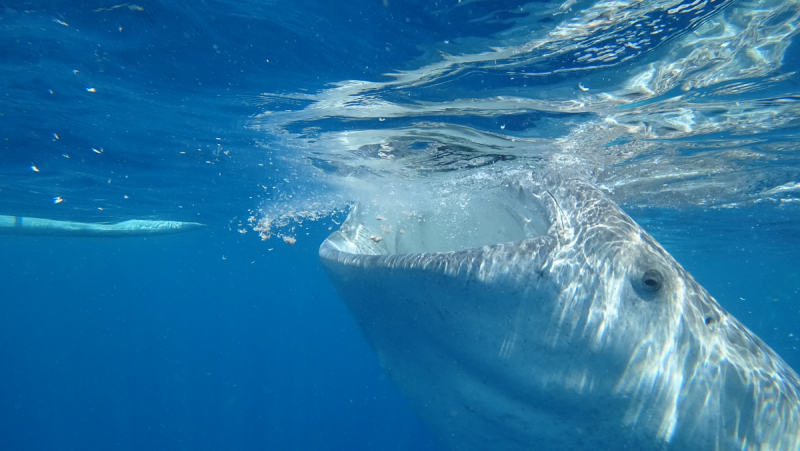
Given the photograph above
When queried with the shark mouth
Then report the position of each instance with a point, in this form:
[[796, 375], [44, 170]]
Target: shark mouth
[[451, 224]]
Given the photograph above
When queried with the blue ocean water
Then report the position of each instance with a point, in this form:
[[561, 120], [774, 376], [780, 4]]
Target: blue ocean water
[[222, 111]]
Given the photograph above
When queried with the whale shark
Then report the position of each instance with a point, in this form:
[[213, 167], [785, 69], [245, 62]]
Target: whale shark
[[22, 225], [551, 320]]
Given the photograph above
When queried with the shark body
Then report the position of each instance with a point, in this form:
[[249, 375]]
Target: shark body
[[559, 324]]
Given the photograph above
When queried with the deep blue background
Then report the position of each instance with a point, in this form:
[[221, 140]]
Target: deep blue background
[[159, 343]]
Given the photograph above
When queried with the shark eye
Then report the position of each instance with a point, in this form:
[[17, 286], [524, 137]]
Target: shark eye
[[652, 280]]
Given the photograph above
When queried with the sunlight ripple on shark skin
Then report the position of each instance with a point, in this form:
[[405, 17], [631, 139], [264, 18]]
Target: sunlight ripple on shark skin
[[563, 326]]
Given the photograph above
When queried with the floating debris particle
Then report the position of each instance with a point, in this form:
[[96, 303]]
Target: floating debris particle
[[376, 239], [91, 89], [263, 227], [34, 168], [290, 240], [131, 6], [57, 200]]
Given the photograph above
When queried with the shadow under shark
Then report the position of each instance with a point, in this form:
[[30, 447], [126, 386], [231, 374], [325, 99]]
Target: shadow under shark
[[550, 320]]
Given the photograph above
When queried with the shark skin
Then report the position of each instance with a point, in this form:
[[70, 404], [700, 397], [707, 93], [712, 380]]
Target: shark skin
[[584, 334]]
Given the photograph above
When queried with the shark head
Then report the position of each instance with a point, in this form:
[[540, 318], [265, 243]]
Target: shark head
[[547, 318]]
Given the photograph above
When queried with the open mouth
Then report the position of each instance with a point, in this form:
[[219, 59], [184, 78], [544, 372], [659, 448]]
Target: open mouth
[[451, 223]]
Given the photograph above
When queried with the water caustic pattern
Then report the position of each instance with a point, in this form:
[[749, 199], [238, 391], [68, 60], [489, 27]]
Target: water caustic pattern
[[692, 103]]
